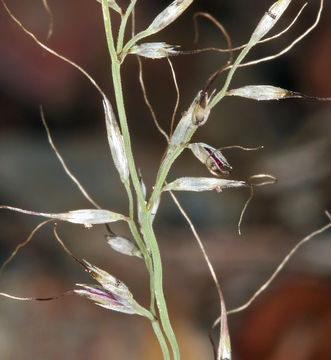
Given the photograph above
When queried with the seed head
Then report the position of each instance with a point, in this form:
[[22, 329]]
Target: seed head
[[111, 294], [195, 116], [202, 184], [116, 142], [168, 15], [106, 299], [214, 160], [123, 245], [269, 19], [262, 92], [107, 281], [89, 217], [154, 50], [202, 110]]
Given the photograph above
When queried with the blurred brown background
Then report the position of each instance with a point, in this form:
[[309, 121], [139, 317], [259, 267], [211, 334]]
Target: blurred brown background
[[290, 321]]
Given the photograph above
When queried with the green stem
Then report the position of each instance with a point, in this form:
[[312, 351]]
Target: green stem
[[143, 312], [130, 197], [134, 231], [162, 174], [149, 238], [160, 337], [155, 268], [158, 284], [125, 132], [138, 239], [108, 29], [147, 258], [117, 83], [124, 21]]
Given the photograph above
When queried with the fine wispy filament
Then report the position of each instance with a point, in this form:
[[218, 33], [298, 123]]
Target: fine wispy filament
[[147, 102], [177, 97], [65, 167], [51, 21], [270, 180], [25, 242], [278, 269], [51, 51]]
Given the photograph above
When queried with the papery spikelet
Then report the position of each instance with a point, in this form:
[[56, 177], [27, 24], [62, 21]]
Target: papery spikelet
[[155, 207], [89, 216], [214, 160], [113, 294], [201, 111], [195, 116], [154, 50], [168, 15], [116, 142], [106, 299], [107, 281], [224, 346], [262, 92], [202, 184], [123, 245], [185, 126], [144, 192], [269, 20]]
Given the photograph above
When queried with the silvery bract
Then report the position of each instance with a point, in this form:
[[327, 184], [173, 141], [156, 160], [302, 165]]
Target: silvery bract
[[113, 294], [195, 116], [269, 20], [154, 50], [144, 192], [224, 346], [202, 184], [108, 281], [104, 298], [87, 217], [155, 207], [262, 92], [123, 245], [185, 127], [115, 140], [179, 139], [214, 160], [202, 110], [168, 15], [183, 131]]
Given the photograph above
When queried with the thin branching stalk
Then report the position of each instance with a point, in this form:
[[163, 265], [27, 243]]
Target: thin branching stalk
[[146, 224], [122, 28]]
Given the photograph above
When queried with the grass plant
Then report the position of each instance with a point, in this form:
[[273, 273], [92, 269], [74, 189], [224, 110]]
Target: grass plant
[[111, 293]]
